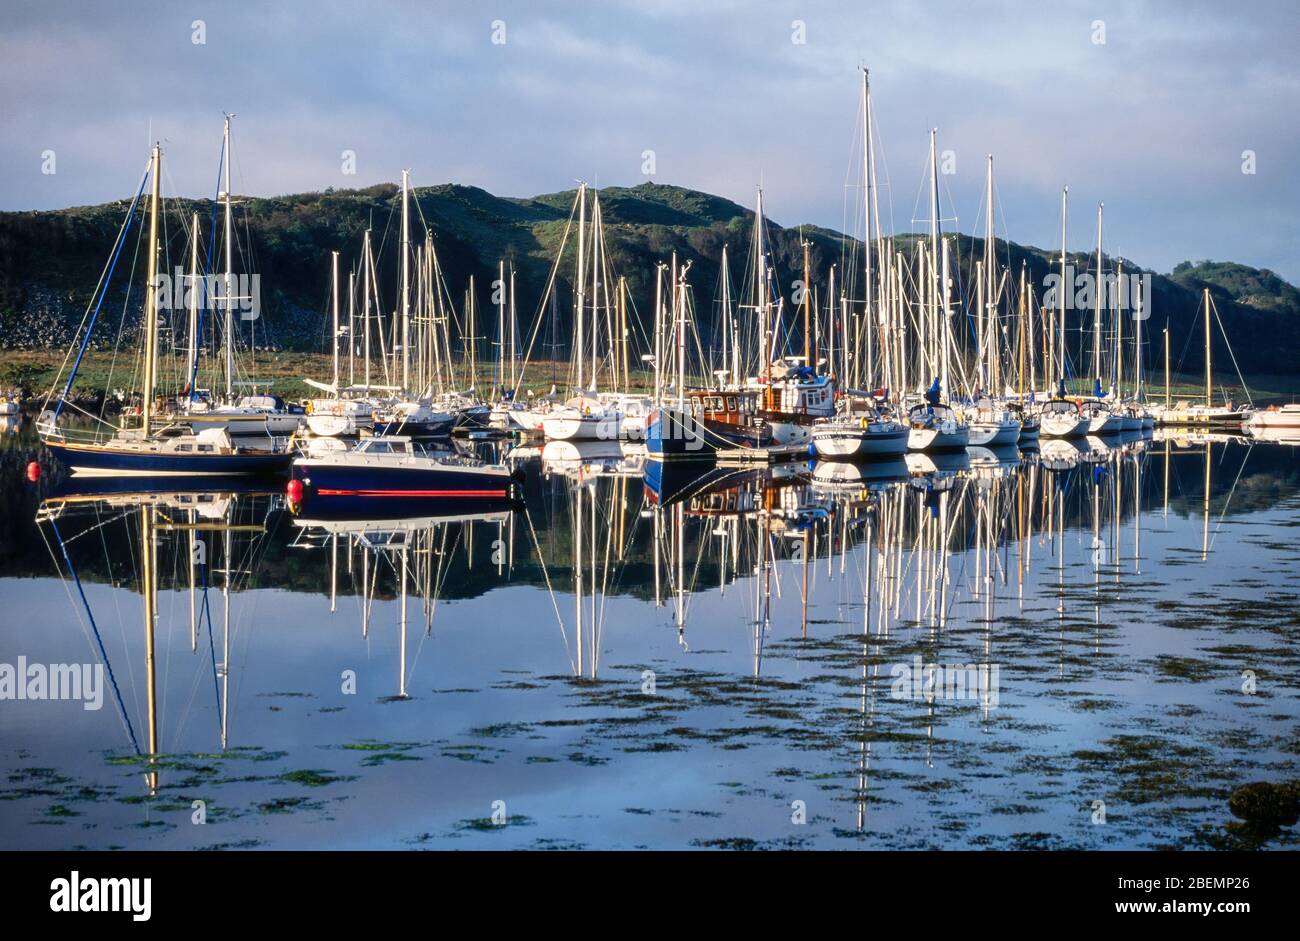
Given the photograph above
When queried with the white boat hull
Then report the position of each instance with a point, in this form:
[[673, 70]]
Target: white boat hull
[[1058, 425], [993, 434], [938, 439], [846, 443]]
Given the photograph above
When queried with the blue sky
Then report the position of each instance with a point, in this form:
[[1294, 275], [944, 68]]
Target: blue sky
[[1153, 121]]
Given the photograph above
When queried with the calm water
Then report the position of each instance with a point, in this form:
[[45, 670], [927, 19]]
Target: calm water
[[734, 662]]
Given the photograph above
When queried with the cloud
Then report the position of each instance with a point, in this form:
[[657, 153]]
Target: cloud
[[1154, 121]]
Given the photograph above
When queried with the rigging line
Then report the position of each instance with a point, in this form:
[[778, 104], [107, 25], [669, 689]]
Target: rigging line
[[117, 693], [212, 644], [541, 560], [1218, 524], [112, 266]]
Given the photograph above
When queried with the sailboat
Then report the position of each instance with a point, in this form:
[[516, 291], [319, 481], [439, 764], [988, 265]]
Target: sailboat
[[1060, 417], [409, 413], [157, 446], [395, 467], [592, 414], [1102, 419], [254, 414], [859, 428], [991, 424], [1190, 413], [933, 424]]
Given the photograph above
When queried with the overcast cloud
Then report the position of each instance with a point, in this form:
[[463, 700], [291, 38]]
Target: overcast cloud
[[1154, 121]]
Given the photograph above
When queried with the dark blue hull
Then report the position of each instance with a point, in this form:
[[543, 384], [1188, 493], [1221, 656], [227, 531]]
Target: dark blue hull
[[450, 482], [105, 459], [331, 509], [676, 434], [105, 486]]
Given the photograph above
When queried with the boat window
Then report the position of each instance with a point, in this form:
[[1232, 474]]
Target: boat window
[[205, 447], [731, 403], [184, 447]]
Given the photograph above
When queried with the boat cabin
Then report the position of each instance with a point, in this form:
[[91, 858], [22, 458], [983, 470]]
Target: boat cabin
[[734, 407]]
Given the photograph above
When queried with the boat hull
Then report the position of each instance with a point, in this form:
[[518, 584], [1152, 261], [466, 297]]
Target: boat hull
[[849, 443], [938, 439], [993, 434], [90, 459], [673, 434], [332, 426], [1057, 425], [335, 479]]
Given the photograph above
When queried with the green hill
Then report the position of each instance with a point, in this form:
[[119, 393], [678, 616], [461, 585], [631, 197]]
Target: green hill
[[50, 263]]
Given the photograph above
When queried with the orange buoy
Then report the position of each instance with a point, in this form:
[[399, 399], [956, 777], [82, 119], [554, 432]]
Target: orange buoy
[[294, 491], [34, 471]]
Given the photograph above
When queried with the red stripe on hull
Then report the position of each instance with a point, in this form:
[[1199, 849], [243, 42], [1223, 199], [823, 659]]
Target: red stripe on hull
[[412, 493]]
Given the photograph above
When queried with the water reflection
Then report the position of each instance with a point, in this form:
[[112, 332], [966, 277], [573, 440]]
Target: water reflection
[[796, 615]]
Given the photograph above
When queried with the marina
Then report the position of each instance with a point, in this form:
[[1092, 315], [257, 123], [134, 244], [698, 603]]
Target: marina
[[850, 436], [902, 647]]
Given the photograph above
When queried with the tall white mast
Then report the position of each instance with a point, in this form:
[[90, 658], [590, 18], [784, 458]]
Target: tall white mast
[[866, 214], [1065, 211], [501, 326], [334, 291], [988, 320], [191, 365], [406, 285], [580, 287], [230, 318], [365, 305], [352, 330], [934, 231], [151, 301], [1096, 320]]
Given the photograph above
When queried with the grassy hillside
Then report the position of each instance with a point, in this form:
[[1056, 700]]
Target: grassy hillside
[[50, 263]]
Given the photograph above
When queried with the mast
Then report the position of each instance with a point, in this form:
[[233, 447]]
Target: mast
[[990, 313], [946, 327], [514, 353], [406, 285], [760, 275], [365, 305], [1166, 371], [934, 239], [1209, 387], [352, 348], [230, 317], [867, 181], [1141, 313], [192, 364], [1096, 319], [807, 313], [1119, 335], [1065, 212], [151, 299], [501, 326], [622, 331], [334, 291], [659, 334], [581, 289]]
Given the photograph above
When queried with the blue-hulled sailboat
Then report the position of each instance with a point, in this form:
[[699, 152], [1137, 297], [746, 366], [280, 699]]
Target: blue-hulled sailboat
[[157, 446]]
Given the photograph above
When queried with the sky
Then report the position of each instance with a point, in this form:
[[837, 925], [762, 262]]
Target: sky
[[1157, 109]]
